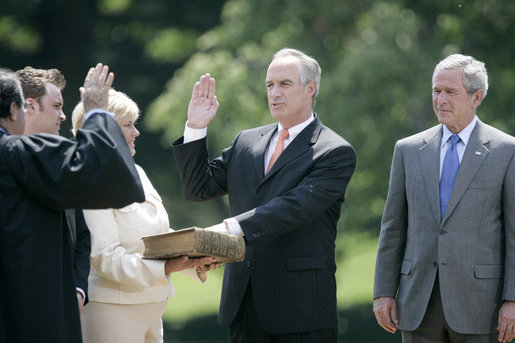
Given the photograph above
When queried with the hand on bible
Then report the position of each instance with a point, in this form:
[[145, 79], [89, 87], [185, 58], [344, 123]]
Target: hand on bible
[[203, 104], [218, 228], [184, 262]]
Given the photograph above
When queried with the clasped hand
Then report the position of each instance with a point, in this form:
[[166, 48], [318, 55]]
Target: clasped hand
[[184, 262]]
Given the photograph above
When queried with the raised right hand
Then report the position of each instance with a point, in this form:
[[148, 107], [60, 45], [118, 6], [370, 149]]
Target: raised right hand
[[95, 92], [203, 104]]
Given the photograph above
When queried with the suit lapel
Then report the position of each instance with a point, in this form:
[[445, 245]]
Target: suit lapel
[[430, 168], [259, 150], [474, 156], [304, 140]]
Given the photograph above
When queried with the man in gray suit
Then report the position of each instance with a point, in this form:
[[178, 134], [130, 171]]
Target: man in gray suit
[[445, 268], [285, 205]]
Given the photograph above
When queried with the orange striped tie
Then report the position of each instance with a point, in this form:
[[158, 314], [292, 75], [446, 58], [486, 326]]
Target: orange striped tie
[[279, 147]]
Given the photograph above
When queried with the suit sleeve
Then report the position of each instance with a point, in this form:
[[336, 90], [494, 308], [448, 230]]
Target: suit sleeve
[[509, 229], [81, 253], [94, 170], [201, 179], [392, 238]]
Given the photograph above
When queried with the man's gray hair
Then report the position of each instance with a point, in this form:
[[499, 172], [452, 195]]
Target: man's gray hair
[[475, 76], [309, 68]]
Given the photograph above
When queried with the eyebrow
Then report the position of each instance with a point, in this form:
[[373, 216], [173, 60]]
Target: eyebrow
[[280, 81], [446, 88]]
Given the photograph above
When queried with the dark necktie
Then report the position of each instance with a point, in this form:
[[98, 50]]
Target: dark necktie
[[279, 147], [451, 164]]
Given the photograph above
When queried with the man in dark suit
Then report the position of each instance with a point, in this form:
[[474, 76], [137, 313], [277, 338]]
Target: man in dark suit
[[42, 90], [285, 204], [40, 176], [445, 268]]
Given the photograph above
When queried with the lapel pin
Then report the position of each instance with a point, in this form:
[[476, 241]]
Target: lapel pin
[[478, 153]]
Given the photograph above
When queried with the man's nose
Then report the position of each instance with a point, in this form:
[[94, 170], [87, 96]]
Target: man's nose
[[273, 91]]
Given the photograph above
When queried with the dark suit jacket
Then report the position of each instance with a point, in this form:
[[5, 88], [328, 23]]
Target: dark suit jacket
[[472, 248], [40, 176], [81, 248], [288, 217]]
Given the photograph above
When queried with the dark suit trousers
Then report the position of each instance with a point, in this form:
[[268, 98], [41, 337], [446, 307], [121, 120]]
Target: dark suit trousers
[[434, 328], [246, 328]]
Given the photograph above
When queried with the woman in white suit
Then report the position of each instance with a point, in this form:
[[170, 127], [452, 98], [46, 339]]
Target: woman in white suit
[[128, 295]]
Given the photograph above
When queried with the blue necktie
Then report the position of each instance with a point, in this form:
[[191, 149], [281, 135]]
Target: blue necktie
[[451, 164]]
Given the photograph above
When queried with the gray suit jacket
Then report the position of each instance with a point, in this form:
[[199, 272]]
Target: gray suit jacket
[[470, 248]]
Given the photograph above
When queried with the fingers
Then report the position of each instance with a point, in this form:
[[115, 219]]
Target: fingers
[[211, 87], [109, 81], [196, 87], [505, 333], [385, 311], [506, 321], [393, 316], [202, 261], [204, 87], [89, 76], [99, 76]]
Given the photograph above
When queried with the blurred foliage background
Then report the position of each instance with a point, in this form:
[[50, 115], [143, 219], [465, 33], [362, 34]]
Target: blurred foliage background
[[377, 59]]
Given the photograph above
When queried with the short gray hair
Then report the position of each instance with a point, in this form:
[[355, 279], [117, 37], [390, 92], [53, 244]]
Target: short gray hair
[[475, 76], [309, 68]]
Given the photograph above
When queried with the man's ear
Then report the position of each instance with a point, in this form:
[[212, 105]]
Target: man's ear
[[32, 106], [311, 89], [477, 97], [13, 116]]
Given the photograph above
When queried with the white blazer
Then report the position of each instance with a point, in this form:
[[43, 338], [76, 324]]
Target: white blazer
[[118, 273]]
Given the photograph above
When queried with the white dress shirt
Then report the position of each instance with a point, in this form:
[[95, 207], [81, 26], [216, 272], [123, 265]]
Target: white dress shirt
[[460, 146]]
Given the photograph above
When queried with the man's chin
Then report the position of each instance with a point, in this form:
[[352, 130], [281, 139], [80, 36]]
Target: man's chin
[[276, 113]]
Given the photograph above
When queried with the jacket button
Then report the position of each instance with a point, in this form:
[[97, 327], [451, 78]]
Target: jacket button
[[248, 264], [435, 264]]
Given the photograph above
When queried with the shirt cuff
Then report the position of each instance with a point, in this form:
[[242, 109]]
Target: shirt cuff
[[191, 134], [97, 110], [81, 292], [233, 227]]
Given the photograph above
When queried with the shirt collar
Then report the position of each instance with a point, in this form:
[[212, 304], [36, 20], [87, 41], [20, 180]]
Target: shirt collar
[[295, 130], [464, 134]]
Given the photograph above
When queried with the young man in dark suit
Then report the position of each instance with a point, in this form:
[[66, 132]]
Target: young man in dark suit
[[40, 176], [286, 183], [42, 90]]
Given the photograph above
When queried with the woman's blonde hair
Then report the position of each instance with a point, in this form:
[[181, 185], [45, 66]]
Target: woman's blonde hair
[[119, 104]]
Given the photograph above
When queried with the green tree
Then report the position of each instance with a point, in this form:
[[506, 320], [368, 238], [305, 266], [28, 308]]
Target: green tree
[[377, 59]]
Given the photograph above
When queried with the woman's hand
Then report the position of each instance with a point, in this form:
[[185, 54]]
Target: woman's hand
[[184, 262]]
